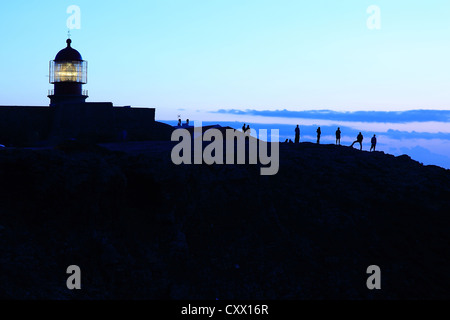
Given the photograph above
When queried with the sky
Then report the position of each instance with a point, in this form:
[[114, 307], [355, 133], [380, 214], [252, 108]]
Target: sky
[[266, 62], [193, 57]]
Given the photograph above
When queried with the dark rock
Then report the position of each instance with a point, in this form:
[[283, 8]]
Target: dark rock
[[142, 228]]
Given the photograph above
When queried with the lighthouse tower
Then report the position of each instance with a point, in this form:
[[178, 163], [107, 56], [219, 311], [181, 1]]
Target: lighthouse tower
[[68, 73]]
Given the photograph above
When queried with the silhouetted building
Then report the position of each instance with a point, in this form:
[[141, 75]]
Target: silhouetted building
[[69, 116]]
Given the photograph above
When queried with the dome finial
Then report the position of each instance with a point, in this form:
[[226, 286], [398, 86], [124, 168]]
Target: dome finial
[[68, 41]]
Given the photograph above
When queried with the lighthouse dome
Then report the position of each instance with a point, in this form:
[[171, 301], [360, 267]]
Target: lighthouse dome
[[68, 53]]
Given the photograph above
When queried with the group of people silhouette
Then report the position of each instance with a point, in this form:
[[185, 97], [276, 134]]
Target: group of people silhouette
[[359, 138], [186, 124], [244, 128]]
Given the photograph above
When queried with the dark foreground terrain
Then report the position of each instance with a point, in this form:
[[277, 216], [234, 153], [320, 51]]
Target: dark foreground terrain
[[140, 227]]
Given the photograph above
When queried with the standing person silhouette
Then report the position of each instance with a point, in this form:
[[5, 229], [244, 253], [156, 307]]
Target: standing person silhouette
[[359, 139], [338, 136], [297, 134], [318, 135], [243, 128], [374, 142]]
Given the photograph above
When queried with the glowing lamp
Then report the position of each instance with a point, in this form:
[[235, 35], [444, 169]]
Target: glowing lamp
[[68, 72]]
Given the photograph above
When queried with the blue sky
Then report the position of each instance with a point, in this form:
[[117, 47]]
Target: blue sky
[[268, 63], [197, 56]]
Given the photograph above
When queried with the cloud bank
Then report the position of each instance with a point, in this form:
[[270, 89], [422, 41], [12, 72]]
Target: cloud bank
[[357, 116]]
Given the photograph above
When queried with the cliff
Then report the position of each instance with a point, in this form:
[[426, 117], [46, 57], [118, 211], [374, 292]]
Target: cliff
[[140, 227]]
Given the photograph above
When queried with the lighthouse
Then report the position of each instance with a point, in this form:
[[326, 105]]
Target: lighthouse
[[70, 117], [68, 73]]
